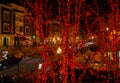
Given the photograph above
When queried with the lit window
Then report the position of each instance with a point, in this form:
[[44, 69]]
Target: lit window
[[21, 19], [5, 27], [6, 15], [16, 17]]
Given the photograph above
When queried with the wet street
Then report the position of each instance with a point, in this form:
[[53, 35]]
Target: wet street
[[30, 64], [25, 65]]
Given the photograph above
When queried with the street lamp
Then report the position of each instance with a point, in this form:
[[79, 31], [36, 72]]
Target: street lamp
[[59, 50]]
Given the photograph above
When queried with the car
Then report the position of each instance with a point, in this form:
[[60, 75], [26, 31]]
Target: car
[[6, 79], [5, 63]]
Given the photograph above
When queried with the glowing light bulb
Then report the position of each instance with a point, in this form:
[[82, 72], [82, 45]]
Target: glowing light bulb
[[92, 37], [59, 50], [107, 28]]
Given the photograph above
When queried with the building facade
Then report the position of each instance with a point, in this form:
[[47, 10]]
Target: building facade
[[14, 26]]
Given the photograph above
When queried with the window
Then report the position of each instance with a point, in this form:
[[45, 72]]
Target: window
[[21, 19], [6, 15], [27, 24], [5, 42], [27, 31], [21, 28], [16, 28], [6, 27], [17, 42], [16, 17]]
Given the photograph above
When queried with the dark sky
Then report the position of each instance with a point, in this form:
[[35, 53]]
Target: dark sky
[[10, 1]]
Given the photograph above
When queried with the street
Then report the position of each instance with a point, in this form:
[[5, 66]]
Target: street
[[25, 65]]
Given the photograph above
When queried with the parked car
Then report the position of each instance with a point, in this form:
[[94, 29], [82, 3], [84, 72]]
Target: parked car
[[5, 63], [6, 79]]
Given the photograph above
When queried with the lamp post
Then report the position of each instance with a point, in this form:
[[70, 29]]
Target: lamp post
[[59, 51]]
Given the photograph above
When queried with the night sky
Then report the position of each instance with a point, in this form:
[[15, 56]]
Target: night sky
[[10, 1]]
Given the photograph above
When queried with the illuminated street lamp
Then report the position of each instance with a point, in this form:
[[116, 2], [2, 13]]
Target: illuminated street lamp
[[59, 50]]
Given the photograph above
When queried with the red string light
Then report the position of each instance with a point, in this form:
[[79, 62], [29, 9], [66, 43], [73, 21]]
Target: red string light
[[75, 16]]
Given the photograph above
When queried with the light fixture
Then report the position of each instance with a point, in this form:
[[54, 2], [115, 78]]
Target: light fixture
[[59, 50]]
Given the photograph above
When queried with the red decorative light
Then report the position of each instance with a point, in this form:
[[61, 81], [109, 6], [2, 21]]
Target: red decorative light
[[75, 16]]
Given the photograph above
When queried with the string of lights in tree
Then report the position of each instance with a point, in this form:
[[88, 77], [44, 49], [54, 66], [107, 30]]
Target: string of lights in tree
[[88, 37]]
